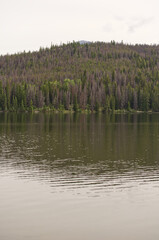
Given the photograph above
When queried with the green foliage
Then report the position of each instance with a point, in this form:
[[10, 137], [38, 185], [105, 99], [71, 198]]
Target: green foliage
[[75, 105], [129, 108], [91, 77], [96, 106], [31, 106], [107, 104]]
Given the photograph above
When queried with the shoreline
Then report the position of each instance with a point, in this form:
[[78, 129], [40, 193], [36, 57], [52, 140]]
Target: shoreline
[[123, 111]]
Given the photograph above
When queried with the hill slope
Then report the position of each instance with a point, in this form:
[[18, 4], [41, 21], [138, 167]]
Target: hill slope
[[88, 76]]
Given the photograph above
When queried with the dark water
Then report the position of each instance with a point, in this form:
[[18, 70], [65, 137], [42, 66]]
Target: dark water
[[74, 177]]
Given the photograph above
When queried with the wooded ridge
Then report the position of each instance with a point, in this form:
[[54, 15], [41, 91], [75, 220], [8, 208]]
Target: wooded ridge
[[89, 77]]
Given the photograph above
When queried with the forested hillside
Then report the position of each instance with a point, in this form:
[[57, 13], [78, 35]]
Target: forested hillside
[[92, 77]]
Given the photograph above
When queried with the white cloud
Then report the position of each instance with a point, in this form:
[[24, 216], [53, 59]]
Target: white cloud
[[108, 28], [138, 23], [29, 24]]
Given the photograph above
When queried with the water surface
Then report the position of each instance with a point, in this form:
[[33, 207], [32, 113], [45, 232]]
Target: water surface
[[67, 176]]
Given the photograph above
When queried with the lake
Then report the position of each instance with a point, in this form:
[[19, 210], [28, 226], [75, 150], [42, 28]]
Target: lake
[[79, 176]]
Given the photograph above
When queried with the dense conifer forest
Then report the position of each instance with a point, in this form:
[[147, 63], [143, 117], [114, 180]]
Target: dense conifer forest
[[89, 77]]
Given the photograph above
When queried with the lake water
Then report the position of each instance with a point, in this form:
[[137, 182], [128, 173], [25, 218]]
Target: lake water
[[79, 177]]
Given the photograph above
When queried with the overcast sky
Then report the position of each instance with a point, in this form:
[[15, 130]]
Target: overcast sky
[[29, 24]]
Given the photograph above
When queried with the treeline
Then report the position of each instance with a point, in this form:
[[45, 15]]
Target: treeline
[[92, 77]]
